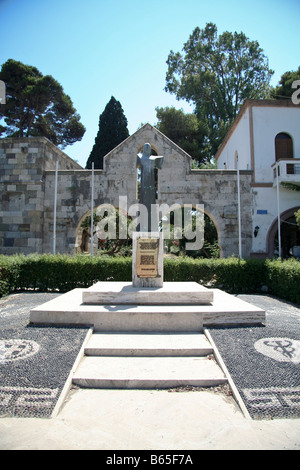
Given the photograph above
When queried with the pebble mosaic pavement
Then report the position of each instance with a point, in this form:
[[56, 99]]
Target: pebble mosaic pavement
[[264, 361], [35, 361]]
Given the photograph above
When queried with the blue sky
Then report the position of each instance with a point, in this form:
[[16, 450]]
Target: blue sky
[[101, 48]]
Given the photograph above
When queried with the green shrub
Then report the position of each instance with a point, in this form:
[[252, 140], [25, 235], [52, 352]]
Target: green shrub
[[231, 274], [63, 272], [9, 273], [284, 279], [240, 276]]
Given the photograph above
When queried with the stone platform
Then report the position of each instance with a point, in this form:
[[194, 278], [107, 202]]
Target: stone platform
[[174, 307], [171, 293]]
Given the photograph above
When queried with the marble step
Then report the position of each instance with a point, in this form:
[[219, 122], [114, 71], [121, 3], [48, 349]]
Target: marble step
[[148, 344], [171, 293], [147, 372]]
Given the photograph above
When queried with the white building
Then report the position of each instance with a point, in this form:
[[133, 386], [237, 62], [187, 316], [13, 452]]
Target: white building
[[265, 138]]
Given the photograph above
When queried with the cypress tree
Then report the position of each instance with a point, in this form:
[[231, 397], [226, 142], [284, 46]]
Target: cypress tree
[[112, 131]]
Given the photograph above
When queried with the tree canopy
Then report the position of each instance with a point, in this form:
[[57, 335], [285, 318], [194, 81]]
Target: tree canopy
[[183, 129], [112, 131], [284, 88], [217, 73], [36, 105]]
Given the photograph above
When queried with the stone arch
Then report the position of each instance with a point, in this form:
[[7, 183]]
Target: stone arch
[[206, 213], [218, 230], [82, 236], [273, 230]]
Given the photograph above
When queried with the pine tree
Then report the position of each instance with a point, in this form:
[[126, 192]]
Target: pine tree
[[36, 105], [112, 131]]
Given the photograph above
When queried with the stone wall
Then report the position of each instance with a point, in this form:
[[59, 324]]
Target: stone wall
[[23, 163], [217, 191], [27, 192]]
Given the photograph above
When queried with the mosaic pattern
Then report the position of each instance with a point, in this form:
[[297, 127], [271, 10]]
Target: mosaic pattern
[[280, 349], [27, 401], [12, 350], [277, 401], [35, 361], [264, 361]]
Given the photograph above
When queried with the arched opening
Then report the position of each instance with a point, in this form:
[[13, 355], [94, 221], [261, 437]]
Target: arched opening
[[290, 236], [82, 234], [111, 228], [175, 241], [283, 146]]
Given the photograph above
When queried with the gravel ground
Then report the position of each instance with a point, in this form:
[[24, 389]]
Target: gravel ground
[[264, 361], [35, 361]]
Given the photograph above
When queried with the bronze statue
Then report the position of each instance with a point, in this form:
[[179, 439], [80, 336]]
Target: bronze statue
[[147, 163]]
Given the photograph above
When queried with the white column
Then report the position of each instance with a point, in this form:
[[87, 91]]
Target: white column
[[278, 211], [54, 212], [239, 208], [92, 211]]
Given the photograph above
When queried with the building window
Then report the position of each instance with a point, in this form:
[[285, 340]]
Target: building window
[[283, 146]]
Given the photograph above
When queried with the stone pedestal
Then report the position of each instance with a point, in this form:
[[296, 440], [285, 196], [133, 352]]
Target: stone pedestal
[[147, 259], [109, 312]]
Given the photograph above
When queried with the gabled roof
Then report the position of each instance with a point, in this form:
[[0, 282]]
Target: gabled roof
[[144, 130], [252, 104]]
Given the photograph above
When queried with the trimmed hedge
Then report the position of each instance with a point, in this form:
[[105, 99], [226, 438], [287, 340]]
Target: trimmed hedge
[[63, 273], [9, 274], [60, 272], [232, 274], [284, 279]]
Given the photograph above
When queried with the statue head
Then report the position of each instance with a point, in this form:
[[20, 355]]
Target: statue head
[[147, 150]]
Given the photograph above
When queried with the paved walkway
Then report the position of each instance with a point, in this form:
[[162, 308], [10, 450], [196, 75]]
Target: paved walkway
[[35, 363]]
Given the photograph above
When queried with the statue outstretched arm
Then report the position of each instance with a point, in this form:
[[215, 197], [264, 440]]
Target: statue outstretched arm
[[158, 161]]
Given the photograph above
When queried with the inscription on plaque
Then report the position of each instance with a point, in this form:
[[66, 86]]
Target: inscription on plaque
[[147, 257]]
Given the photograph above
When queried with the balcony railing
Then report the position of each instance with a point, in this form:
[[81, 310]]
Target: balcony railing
[[286, 171]]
